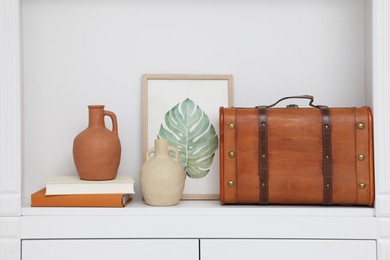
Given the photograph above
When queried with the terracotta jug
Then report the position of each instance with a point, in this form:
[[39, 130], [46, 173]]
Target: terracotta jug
[[162, 177], [97, 150]]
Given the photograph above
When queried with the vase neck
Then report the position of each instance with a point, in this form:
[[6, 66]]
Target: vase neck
[[96, 116], [161, 147]]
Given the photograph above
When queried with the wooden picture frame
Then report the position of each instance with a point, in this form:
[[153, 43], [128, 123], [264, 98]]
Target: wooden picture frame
[[207, 92]]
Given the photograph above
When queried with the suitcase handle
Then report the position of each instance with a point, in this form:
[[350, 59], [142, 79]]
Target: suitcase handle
[[301, 97]]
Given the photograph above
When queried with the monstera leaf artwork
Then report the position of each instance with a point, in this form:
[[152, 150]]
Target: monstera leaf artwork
[[189, 130]]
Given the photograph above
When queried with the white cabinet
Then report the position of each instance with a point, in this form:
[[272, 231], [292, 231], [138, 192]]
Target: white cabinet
[[224, 232], [108, 249], [281, 249], [210, 249]]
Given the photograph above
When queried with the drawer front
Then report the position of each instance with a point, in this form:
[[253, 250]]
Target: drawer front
[[108, 249], [282, 249]]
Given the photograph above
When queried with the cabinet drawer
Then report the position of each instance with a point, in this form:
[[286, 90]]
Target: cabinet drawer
[[107, 249], [282, 249]]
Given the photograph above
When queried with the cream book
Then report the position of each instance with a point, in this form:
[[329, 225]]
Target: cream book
[[65, 185]]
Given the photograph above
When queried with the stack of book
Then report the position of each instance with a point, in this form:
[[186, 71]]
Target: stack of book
[[71, 191]]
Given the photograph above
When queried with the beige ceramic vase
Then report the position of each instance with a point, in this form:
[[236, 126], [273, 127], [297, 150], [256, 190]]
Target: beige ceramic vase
[[162, 177], [97, 150]]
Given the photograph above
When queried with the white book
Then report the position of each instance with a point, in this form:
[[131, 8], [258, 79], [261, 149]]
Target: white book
[[65, 185]]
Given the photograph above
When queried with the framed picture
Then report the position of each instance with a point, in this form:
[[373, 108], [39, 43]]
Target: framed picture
[[185, 110]]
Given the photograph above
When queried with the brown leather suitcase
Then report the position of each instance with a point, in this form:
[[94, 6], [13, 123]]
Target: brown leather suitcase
[[305, 156]]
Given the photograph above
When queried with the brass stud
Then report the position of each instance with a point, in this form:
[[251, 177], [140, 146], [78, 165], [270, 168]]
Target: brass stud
[[230, 184], [231, 126], [360, 125], [231, 154], [362, 185], [361, 157]]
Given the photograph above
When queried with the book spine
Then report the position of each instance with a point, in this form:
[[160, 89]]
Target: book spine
[[39, 199], [67, 189]]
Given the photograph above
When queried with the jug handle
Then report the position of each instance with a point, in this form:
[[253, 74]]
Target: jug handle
[[172, 149], [113, 119], [150, 150]]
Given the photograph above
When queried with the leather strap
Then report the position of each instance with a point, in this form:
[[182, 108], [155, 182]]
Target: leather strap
[[326, 155], [263, 154]]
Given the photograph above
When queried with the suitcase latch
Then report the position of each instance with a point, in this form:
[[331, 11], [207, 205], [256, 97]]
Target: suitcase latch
[[292, 106]]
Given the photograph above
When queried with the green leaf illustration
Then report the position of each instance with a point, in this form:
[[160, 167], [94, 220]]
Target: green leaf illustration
[[188, 129]]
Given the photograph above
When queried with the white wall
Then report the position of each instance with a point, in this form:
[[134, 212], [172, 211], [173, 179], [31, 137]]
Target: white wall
[[84, 52]]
